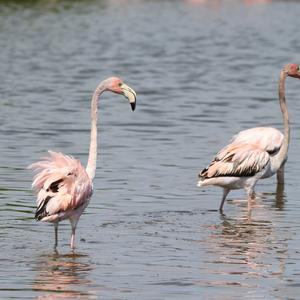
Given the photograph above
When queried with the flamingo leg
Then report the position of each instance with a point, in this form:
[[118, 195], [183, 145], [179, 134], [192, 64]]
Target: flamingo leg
[[73, 225], [280, 175], [55, 232], [225, 193], [250, 195], [73, 239]]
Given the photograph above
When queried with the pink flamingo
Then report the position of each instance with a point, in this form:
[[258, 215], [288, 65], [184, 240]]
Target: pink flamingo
[[62, 184], [253, 154]]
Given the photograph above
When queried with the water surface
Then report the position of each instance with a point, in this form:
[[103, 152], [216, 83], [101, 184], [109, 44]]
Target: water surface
[[202, 72]]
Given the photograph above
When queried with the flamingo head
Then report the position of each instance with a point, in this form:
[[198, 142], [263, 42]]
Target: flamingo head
[[116, 85], [292, 70]]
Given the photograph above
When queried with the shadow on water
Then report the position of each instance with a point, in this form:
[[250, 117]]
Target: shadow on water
[[63, 276]]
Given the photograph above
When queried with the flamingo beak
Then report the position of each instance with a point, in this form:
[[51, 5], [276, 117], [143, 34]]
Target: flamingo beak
[[296, 75], [130, 94]]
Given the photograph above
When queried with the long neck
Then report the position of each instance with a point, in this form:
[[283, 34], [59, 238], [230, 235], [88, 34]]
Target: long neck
[[282, 154], [92, 160]]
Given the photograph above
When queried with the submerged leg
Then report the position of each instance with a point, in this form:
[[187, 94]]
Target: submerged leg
[[225, 193], [55, 231], [280, 175]]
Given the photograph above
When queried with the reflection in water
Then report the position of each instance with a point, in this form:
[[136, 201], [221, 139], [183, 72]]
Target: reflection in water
[[63, 276], [278, 197], [278, 202], [245, 249]]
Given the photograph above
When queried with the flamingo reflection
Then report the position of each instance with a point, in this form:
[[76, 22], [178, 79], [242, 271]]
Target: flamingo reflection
[[63, 276], [250, 251]]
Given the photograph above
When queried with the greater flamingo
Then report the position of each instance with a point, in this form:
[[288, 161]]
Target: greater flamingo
[[253, 154], [63, 186]]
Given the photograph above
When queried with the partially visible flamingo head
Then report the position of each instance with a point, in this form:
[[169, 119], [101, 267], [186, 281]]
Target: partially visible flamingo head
[[292, 70], [116, 85]]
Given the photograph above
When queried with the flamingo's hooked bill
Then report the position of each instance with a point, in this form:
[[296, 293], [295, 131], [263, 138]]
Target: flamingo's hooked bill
[[130, 94]]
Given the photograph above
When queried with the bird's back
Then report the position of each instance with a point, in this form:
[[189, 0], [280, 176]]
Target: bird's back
[[266, 138]]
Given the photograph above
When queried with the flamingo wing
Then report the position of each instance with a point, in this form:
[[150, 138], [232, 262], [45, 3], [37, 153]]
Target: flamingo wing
[[61, 184], [237, 160], [266, 138]]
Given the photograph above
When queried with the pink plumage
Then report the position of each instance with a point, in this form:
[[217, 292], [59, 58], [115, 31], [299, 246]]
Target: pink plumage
[[63, 186]]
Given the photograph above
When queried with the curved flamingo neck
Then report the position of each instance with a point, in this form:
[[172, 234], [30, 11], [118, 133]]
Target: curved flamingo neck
[[92, 160], [282, 154]]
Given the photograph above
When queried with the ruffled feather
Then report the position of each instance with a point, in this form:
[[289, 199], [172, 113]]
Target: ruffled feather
[[61, 184]]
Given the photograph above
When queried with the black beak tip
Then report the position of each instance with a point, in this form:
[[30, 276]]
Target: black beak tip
[[132, 106]]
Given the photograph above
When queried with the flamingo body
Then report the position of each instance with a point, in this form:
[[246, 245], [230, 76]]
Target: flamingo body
[[268, 139], [63, 186], [253, 154], [237, 166]]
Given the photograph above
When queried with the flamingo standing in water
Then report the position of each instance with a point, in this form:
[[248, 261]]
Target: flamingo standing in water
[[62, 184], [253, 154]]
